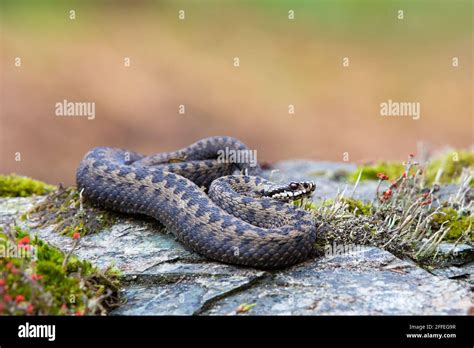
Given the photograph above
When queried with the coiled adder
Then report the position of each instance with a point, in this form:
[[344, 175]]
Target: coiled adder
[[243, 219]]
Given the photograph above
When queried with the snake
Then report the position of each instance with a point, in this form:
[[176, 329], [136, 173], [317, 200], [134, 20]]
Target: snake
[[216, 206]]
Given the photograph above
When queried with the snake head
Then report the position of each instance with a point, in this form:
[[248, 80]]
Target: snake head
[[292, 191]]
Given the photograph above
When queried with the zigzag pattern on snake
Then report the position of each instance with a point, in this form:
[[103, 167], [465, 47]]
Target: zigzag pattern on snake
[[243, 219]]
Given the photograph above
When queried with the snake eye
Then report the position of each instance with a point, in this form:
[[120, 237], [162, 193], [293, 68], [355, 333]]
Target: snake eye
[[306, 185], [293, 186]]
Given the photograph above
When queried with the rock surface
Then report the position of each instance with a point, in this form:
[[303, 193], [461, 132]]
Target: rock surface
[[161, 277], [325, 175]]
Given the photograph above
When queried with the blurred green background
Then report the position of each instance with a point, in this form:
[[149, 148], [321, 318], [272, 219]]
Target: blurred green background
[[190, 62]]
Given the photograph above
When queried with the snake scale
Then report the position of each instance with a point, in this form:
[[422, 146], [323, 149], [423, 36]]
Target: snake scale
[[238, 219]]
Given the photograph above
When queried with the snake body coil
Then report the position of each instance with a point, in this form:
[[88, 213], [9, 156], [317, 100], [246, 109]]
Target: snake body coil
[[239, 221]]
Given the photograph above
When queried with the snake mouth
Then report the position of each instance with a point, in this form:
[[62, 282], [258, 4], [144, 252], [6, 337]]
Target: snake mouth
[[292, 191]]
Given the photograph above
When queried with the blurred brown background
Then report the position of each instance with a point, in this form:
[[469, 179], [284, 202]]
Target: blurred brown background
[[190, 62]]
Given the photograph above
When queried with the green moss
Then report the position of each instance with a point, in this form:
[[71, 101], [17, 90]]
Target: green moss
[[305, 205], [452, 165], [41, 282], [457, 223], [64, 210], [358, 206], [369, 172], [327, 202], [353, 205], [20, 186]]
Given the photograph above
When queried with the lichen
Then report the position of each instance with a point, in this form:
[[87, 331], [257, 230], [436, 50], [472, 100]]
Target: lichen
[[21, 186], [41, 280], [406, 219]]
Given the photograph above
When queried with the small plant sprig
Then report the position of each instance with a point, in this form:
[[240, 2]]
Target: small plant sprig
[[76, 236], [406, 217]]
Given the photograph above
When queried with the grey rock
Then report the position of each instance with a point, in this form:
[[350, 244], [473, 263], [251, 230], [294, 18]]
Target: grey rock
[[366, 282], [161, 277], [13, 208], [184, 296], [456, 254], [463, 273], [310, 168], [325, 175]]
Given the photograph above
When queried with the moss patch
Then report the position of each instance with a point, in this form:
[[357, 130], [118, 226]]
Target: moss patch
[[369, 172], [308, 205], [357, 207], [452, 165], [38, 279], [65, 210], [457, 222], [20, 186]]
